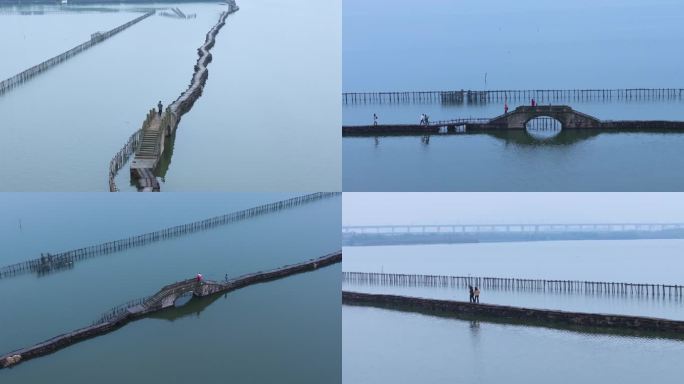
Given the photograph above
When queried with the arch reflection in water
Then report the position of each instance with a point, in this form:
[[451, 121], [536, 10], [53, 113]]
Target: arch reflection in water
[[543, 127], [563, 138], [186, 306]]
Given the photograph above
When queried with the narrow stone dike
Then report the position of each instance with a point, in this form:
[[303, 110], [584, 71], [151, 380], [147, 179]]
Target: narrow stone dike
[[148, 142], [532, 316], [163, 299]]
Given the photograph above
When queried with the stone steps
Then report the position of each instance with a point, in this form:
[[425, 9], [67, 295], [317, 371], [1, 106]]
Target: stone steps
[[148, 144]]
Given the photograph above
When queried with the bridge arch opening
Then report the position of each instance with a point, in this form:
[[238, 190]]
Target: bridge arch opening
[[182, 299], [543, 127]]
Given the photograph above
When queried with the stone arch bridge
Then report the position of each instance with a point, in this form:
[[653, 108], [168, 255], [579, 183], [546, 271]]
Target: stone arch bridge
[[568, 117], [167, 296]]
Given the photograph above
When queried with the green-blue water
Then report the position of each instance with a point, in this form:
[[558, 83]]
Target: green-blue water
[[235, 337]]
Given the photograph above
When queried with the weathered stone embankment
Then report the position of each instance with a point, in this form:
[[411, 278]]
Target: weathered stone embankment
[[565, 116], [159, 301], [642, 125], [154, 131], [537, 316], [473, 127], [390, 130]]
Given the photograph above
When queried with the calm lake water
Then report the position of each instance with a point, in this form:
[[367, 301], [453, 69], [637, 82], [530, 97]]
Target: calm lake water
[[233, 338], [629, 261], [383, 346], [436, 45], [254, 129], [521, 45]]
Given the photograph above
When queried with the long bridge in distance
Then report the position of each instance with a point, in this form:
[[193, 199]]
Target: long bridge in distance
[[563, 117], [457, 97]]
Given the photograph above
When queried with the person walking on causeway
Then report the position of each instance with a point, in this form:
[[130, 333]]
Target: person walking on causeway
[[472, 294]]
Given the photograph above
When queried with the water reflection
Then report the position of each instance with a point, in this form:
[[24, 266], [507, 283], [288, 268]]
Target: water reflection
[[165, 160], [190, 306], [387, 346], [525, 138], [541, 137], [543, 128], [475, 323], [530, 137]]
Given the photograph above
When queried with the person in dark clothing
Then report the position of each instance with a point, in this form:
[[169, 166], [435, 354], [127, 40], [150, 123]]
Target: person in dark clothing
[[160, 107], [472, 293]]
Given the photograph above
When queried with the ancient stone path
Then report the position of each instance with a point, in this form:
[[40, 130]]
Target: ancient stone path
[[163, 299]]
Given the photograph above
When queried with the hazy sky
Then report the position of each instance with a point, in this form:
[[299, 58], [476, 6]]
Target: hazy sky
[[478, 207]]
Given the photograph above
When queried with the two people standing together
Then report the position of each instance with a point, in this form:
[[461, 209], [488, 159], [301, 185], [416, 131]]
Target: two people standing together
[[474, 294]]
